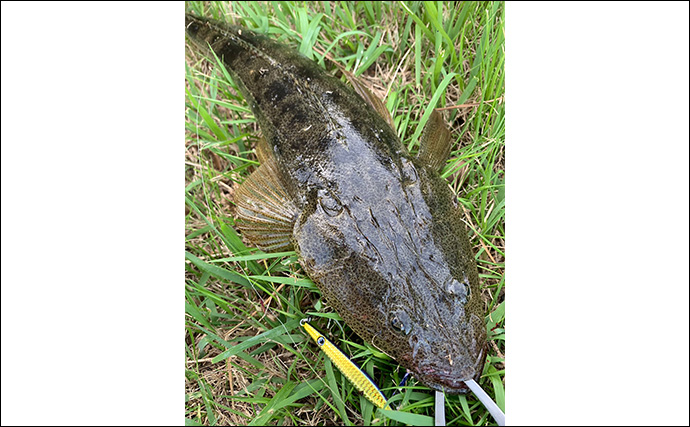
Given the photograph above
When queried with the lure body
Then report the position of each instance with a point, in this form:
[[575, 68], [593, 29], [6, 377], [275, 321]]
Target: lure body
[[351, 371]]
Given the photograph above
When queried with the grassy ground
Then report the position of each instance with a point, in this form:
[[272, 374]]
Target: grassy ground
[[247, 360]]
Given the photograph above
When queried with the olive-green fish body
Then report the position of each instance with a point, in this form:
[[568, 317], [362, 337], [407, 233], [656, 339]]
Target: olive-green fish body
[[375, 228]]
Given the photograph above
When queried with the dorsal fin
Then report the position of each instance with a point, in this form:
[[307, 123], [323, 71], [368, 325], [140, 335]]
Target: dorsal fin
[[265, 212], [374, 101], [434, 146]]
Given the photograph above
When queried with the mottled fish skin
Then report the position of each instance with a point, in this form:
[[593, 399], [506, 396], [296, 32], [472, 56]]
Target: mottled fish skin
[[379, 232]]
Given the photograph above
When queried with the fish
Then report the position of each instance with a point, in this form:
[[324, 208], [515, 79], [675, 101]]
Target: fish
[[376, 228]]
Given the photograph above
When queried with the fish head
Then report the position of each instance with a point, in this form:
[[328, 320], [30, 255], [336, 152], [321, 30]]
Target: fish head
[[395, 262], [434, 325], [442, 346]]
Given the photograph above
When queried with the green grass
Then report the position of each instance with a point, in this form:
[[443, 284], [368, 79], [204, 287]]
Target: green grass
[[247, 359]]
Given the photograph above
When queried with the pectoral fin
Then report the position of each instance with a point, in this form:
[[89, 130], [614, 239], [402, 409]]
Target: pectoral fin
[[374, 101], [265, 212], [434, 147]]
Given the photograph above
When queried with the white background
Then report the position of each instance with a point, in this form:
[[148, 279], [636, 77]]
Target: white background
[[93, 226]]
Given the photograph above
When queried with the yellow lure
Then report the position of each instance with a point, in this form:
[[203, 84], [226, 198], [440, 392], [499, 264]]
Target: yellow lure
[[360, 380]]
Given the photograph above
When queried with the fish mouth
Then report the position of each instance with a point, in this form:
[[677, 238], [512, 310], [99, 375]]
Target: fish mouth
[[449, 384], [450, 380]]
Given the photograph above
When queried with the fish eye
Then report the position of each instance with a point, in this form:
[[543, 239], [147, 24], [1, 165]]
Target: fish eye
[[330, 204], [409, 173], [320, 341], [400, 321]]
